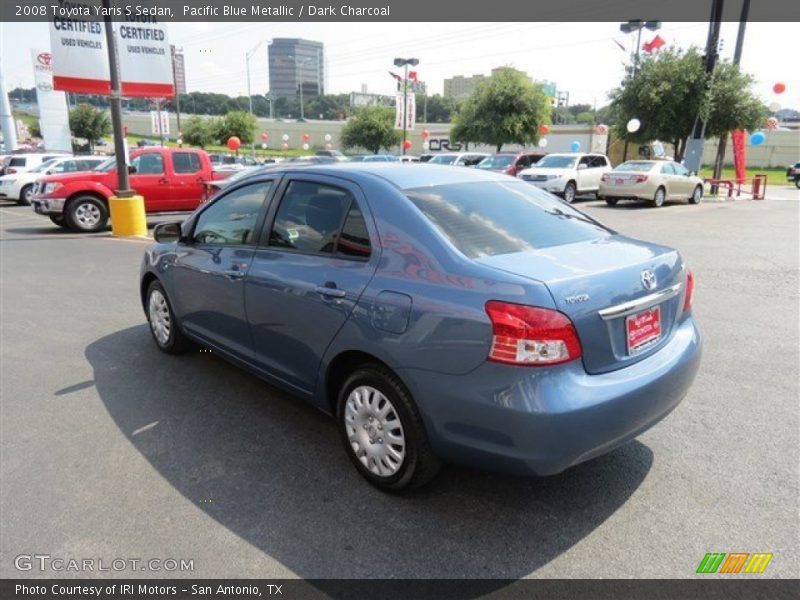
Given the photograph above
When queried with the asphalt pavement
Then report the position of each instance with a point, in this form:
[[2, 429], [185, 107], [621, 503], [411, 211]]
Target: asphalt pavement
[[111, 449]]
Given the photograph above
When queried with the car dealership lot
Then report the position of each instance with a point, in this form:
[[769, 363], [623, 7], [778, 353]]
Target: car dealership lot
[[111, 449]]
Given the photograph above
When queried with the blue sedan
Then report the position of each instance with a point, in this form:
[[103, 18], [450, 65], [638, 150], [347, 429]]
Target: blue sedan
[[438, 314]]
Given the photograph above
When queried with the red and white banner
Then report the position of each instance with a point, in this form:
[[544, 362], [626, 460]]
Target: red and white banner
[[159, 122], [53, 115], [80, 56], [410, 111]]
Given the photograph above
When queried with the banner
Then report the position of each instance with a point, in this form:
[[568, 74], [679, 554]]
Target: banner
[[80, 56], [159, 122], [53, 115], [737, 137], [410, 112]]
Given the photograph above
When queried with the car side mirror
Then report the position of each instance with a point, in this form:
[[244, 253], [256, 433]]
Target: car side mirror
[[131, 169], [167, 233], [691, 173], [581, 167]]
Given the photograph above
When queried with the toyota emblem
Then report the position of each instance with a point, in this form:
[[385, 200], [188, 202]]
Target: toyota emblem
[[45, 58], [649, 280]]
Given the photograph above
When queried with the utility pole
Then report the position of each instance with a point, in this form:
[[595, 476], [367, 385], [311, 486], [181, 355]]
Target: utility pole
[[404, 62], [115, 100], [737, 57], [694, 147], [6, 116]]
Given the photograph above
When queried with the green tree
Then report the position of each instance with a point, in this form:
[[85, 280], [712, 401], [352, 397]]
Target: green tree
[[586, 117], [506, 109], [198, 131], [371, 127], [236, 123], [89, 123], [35, 128], [670, 90]]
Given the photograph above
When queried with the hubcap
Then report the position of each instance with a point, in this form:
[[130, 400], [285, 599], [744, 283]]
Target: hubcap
[[158, 311], [698, 193], [87, 215], [660, 197], [374, 431], [28, 194], [569, 194]]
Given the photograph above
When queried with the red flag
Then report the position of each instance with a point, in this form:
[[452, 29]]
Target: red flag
[[653, 44], [412, 75]]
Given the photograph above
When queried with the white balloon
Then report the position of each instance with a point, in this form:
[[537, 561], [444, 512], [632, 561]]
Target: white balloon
[[774, 107], [305, 146], [543, 143], [285, 137], [264, 146], [328, 137], [633, 125], [425, 145]]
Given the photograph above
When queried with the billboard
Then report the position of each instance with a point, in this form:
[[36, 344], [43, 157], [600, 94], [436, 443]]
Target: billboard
[[53, 115]]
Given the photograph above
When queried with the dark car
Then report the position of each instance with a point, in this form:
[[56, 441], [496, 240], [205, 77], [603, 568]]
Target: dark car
[[510, 163], [436, 313], [793, 174]]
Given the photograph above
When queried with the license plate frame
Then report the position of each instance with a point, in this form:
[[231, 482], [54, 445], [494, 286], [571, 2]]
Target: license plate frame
[[643, 329]]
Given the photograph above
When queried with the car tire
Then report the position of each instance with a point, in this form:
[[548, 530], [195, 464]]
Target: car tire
[[88, 214], [570, 191], [58, 220], [25, 195], [697, 195], [372, 404], [797, 183], [659, 197], [164, 326], [612, 201]]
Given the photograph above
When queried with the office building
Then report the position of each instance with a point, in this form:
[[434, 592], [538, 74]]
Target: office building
[[294, 62]]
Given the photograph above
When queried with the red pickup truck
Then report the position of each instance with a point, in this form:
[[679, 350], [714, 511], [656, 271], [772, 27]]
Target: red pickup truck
[[169, 179]]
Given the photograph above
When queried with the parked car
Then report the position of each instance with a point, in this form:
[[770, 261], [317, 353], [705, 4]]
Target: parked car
[[438, 314], [653, 180], [459, 159], [19, 163], [170, 179], [510, 163], [374, 158], [426, 157], [408, 158], [333, 154], [19, 186], [568, 174], [793, 174]]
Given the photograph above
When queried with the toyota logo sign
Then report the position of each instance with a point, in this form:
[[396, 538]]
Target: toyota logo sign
[[44, 58], [649, 279]]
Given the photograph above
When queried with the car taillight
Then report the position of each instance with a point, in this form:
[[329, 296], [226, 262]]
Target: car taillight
[[10, 171], [530, 335], [687, 302], [604, 177], [639, 178]]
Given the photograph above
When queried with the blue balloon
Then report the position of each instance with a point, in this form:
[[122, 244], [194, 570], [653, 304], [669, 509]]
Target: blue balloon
[[757, 138], [575, 146]]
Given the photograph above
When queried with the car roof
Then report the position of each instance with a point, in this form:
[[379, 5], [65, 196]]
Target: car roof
[[401, 175]]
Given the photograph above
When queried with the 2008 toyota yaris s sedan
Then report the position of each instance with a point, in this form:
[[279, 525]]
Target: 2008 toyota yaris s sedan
[[439, 314]]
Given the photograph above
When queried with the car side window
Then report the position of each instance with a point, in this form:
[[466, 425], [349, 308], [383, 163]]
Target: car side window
[[309, 217], [232, 218], [185, 162], [667, 169], [148, 164], [680, 169], [354, 240], [599, 161], [586, 160], [524, 162]]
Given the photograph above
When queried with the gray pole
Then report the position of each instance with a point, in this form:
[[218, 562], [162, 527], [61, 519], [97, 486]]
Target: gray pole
[[405, 106], [115, 100], [6, 116], [302, 112]]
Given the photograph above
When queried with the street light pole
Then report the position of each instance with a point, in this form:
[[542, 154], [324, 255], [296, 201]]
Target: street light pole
[[302, 111], [123, 182], [247, 56], [404, 62]]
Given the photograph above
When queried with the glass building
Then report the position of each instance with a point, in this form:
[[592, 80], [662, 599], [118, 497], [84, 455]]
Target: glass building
[[294, 62]]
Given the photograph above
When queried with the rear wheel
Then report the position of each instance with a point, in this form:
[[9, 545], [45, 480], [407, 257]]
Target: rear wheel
[[612, 201], [87, 213], [58, 220], [697, 195], [570, 191], [659, 197], [25, 195], [797, 183], [382, 430]]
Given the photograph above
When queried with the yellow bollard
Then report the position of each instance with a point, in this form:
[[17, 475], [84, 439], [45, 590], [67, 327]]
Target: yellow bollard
[[127, 216]]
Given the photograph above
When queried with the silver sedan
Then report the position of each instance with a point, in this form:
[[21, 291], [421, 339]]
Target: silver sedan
[[653, 180]]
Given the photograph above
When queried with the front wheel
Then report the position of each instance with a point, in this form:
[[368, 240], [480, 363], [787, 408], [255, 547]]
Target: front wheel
[[570, 191], [697, 195], [25, 195], [658, 199], [797, 183], [612, 201], [163, 325], [382, 430], [87, 213], [58, 220]]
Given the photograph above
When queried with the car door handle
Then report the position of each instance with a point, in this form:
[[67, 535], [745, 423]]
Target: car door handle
[[236, 271], [331, 292], [163, 180]]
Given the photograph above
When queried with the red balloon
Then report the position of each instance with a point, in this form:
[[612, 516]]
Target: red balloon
[[265, 136], [234, 143], [425, 134], [328, 146], [772, 123], [601, 128], [406, 144], [779, 88], [285, 146], [544, 129], [306, 137]]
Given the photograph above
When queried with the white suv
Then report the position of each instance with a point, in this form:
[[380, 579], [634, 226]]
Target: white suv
[[19, 186], [568, 174], [17, 163]]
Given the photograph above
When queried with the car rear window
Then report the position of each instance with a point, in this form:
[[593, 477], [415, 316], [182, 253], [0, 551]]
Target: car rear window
[[634, 165], [17, 161], [488, 218], [185, 162]]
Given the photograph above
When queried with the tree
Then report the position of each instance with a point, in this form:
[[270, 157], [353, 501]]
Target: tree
[[35, 128], [371, 127], [89, 123], [506, 109], [669, 91], [198, 131], [236, 123]]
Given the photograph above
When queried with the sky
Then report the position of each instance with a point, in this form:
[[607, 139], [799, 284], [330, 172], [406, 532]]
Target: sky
[[582, 58]]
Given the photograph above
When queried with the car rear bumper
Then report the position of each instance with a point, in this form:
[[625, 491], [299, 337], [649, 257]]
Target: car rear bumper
[[48, 206], [630, 192], [541, 421]]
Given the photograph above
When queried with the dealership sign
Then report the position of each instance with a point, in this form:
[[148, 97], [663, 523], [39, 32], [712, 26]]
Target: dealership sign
[[80, 55], [410, 111], [53, 116]]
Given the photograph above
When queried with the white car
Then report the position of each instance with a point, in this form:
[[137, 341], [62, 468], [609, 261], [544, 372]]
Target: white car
[[461, 159], [19, 186], [17, 163], [569, 174]]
